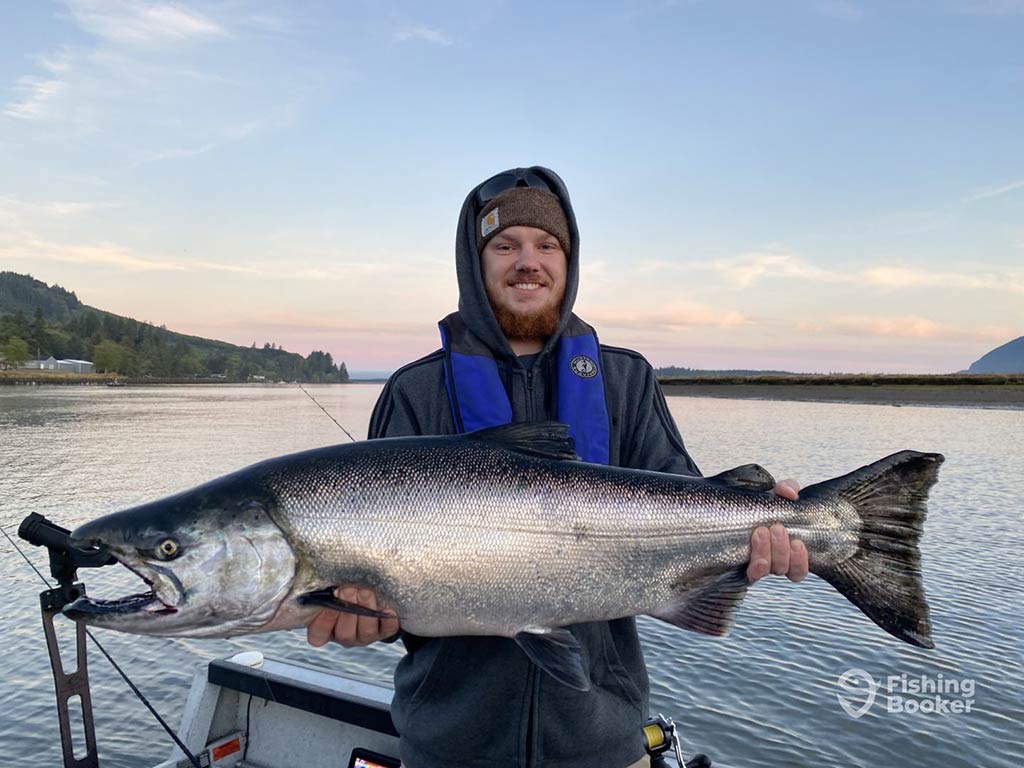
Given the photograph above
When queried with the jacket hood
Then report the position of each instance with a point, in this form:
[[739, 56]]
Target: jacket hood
[[474, 307]]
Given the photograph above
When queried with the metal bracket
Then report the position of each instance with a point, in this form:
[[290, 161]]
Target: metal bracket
[[65, 559], [68, 685]]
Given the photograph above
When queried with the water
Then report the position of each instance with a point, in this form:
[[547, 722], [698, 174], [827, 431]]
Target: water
[[767, 694]]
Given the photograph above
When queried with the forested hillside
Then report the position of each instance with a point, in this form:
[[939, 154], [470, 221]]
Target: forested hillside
[[37, 321]]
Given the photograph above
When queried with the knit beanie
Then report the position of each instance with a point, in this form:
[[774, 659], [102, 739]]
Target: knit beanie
[[524, 207]]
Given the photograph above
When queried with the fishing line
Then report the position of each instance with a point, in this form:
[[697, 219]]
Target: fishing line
[[328, 414], [191, 758]]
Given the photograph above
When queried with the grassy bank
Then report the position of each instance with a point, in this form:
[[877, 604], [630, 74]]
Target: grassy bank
[[96, 379], [991, 390]]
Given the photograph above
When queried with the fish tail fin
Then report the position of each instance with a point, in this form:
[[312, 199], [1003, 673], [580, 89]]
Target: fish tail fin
[[883, 576]]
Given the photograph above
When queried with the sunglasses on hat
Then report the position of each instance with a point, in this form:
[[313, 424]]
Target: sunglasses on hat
[[505, 181]]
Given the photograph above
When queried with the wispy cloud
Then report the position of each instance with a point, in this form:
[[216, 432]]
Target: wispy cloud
[[422, 33], [99, 254], [137, 23], [1003, 189], [36, 98], [677, 316], [910, 327], [11, 207], [907, 277], [746, 269]]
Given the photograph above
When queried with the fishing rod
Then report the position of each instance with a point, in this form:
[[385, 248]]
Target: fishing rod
[[310, 396]]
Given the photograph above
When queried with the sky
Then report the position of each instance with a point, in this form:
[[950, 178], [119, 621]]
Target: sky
[[805, 185]]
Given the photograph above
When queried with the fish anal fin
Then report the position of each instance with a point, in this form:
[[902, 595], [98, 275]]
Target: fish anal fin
[[748, 477], [326, 598], [709, 605], [557, 652]]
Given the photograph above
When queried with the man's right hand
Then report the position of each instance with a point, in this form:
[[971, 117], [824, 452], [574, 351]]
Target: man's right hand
[[347, 628]]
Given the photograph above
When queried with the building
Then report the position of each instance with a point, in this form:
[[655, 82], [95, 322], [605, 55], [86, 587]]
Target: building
[[52, 364]]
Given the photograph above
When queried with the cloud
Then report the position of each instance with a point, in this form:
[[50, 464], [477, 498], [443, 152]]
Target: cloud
[[142, 23], [748, 268], [984, 194], [37, 100], [910, 327], [102, 254], [12, 208], [907, 277], [422, 33], [676, 316]]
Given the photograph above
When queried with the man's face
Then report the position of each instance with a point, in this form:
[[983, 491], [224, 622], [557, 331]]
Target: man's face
[[524, 274]]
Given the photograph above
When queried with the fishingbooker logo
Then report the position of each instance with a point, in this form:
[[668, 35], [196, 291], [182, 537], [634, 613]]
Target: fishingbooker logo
[[939, 695]]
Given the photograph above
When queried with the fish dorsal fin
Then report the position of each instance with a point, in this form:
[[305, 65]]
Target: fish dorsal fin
[[543, 439], [749, 477], [557, 652], [709, 605]]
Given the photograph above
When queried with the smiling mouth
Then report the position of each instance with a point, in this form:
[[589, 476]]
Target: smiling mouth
[[148, 602], [527, 286]]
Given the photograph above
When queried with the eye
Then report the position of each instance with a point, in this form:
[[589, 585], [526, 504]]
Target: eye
[[167, 549]]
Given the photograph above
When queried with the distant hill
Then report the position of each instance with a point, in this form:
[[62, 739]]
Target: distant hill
[[697, 373], [52, 321], [1008, 358]]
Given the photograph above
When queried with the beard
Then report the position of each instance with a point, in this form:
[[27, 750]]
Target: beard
[[540, 324]]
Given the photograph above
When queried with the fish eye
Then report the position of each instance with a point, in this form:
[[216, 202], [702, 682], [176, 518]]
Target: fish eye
[[167, 549]]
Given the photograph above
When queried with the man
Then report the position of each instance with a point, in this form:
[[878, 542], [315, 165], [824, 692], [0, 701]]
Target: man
[[515, 352]]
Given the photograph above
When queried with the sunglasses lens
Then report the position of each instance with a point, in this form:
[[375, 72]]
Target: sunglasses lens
[[506, 181]]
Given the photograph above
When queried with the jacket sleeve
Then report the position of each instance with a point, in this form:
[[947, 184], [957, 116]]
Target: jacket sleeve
[[655, 442], [393, 415]]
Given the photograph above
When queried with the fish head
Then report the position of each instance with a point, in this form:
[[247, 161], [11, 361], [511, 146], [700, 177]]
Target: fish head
[[215, 562]]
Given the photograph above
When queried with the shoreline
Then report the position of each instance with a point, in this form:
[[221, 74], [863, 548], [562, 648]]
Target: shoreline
[[1009, 395]]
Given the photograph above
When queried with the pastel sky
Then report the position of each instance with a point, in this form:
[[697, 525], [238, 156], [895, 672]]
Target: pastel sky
[[810, 185]]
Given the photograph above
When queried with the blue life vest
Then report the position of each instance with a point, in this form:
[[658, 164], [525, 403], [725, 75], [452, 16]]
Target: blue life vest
[[478, 398]]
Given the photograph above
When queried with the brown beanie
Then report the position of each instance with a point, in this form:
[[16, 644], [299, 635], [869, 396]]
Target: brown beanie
[[524, 207]]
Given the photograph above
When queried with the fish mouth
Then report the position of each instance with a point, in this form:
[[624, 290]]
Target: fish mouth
[[156, 601]]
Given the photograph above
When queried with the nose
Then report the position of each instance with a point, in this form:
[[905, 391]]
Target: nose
[[528, 259]]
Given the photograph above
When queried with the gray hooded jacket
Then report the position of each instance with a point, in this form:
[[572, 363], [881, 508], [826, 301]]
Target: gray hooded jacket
[[479, 701]]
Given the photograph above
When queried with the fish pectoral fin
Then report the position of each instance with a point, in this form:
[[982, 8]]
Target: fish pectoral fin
[[749, 477], [708, 606], [557, 652], [325, 598]]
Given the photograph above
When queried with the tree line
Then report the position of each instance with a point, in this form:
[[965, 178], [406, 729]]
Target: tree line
[[128, 347]]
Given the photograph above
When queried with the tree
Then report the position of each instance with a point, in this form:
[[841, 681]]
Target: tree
[[108, 356], [15, 351]]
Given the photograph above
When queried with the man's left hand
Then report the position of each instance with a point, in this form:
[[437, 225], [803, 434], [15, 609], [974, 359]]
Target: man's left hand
[[772, 551]]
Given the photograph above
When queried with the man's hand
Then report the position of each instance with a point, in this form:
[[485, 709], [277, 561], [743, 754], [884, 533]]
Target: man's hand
[[771, 550], [347, 628]]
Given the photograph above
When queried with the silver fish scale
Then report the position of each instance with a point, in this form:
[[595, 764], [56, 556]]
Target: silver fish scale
[[468, 538]]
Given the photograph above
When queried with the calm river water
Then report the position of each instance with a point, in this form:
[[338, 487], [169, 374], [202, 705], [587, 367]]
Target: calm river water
[[766, 695]]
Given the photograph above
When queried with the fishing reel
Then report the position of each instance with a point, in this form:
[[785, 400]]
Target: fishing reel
[[660, 733], [65, 560]]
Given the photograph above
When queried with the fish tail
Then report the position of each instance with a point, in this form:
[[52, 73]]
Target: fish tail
[[883, 577]]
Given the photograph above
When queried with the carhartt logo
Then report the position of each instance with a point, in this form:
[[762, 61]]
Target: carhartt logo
[[490, 223], [583, 367]]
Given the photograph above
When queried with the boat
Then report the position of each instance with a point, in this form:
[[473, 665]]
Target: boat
[[116, 383]]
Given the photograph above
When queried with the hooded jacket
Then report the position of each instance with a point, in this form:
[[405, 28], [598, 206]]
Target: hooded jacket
[[479, 701]]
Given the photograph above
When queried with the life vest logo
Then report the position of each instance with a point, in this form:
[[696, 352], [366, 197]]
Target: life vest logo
[[583, 367], [490, 223]]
